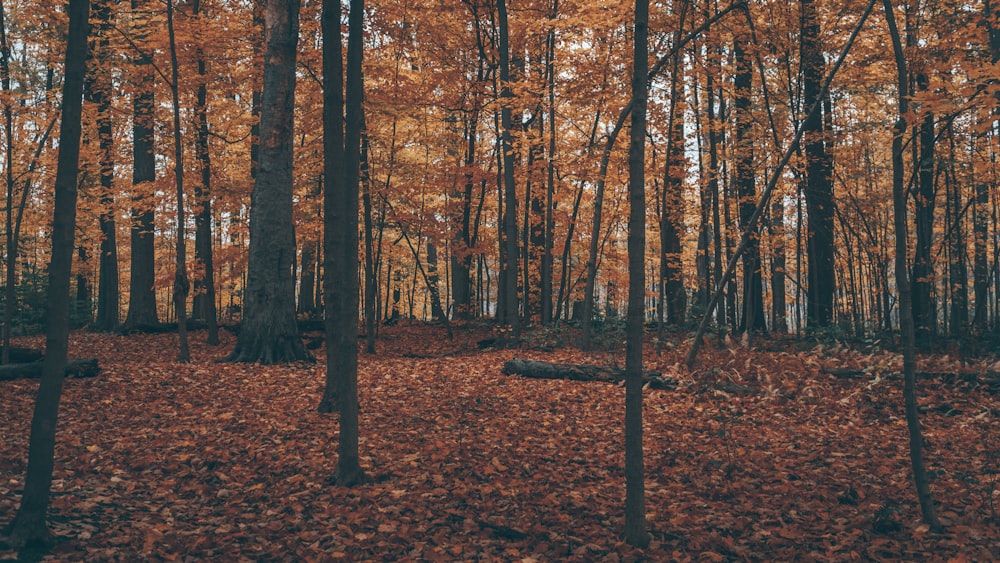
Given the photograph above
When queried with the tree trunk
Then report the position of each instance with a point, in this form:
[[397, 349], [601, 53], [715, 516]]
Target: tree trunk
[[107, 277], [371, 261], [819, 185], [10, 291], [752, 319], [510, 301], [635, 501], [307, 283], [268, 334], [779, 323], [924, 299], [204, 285], [672, 214], [83, 311], [550, 169], [28, 526], [906, 320], [142, 277], [181, 286], [958, 276], [981, 273], [341, 157]]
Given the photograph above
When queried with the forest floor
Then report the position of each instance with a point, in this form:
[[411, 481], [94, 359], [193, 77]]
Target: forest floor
[[163, 461]]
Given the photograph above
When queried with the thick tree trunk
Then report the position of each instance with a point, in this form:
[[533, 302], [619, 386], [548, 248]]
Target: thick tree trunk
[[142, 278], [819, 185], [268, 334], [752, 319], [534, 369], [28, 526]]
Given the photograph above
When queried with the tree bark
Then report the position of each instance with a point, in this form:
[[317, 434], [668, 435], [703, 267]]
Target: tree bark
[[752, 319], [142, 277], [28, 527], [510, 301], [906, 320], [268, 334], [342, 154], [819, 185], [107, 277], [181, 286], [636, 533], [204, 285]]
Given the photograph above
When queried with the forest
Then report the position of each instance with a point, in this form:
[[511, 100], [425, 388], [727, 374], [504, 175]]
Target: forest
[[480, 279]]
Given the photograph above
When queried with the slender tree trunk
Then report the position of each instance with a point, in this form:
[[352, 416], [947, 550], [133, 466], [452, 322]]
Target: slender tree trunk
[[672, 216], [341, 229], [307, 283], [778, 304], [510, 301], [28, 526], [906, 320], [924, 299], [635, 502], [10, 290], [550, 168], [204, 285], [107, 284], [83, 312], [957, 268], [269, 333], [181, 286], [981, 274], [371, 261]]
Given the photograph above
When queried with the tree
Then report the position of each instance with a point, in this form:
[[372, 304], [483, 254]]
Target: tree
[[28, 527], [99, 82], [906, 320], [181, 286], [635, 495], [269, 333], [753, 296], [142, 280], [510, 313], [819, 185], [341, 165], [204, 285]]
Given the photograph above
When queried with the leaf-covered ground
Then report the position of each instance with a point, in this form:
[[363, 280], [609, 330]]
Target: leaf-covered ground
[[158, 460]]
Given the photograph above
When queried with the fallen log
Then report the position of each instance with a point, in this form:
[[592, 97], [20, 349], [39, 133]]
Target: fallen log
[[74, 368], [534, 369], [20, 355]]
